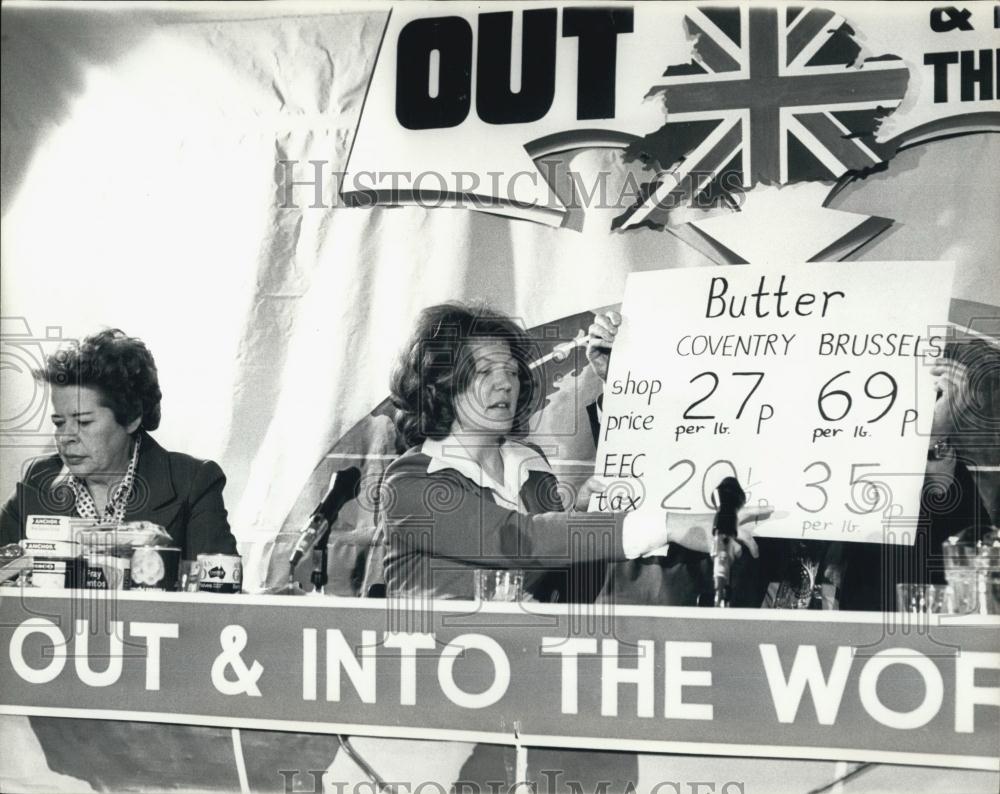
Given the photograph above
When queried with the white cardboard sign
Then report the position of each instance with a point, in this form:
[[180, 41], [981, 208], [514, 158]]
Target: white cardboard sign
[[811, 383]]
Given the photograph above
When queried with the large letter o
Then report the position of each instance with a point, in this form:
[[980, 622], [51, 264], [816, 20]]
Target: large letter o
[[501, 671], [52, 670], [902, 720]]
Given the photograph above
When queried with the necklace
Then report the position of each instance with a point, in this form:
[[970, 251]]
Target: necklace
[[114, 510]]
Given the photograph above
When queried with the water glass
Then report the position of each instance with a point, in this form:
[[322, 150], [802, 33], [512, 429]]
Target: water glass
[[928, 599], [190, 574], [973, 570], [498, 585]]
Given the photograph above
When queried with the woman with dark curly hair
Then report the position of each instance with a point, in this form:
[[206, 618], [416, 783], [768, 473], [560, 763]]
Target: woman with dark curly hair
[[105, 398], [469, 492]]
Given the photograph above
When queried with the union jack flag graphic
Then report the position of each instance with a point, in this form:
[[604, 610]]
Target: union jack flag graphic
[[772, 96]]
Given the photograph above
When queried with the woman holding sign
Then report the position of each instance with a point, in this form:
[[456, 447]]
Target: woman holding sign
[[470, 493]]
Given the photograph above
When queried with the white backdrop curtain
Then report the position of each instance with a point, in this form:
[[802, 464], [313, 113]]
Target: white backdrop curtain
[[141, 190]]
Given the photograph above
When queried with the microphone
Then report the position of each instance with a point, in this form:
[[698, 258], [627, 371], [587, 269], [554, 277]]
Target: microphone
[[342, 490], [730, 497]]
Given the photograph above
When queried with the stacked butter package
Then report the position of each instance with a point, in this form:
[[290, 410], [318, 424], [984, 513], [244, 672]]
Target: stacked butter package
[[72, 552]]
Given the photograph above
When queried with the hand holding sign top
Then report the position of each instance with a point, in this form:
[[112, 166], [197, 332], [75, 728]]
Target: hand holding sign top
[[951, 387], [600, 337]]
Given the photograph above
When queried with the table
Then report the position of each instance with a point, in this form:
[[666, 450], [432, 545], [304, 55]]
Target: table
[[251, 692]]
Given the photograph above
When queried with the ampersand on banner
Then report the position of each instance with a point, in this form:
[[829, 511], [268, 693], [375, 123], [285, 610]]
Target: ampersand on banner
[[947, 19], [234, 639]]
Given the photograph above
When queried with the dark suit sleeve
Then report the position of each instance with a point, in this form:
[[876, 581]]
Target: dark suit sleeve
[[207, 527], [441, 515], [10, 518]]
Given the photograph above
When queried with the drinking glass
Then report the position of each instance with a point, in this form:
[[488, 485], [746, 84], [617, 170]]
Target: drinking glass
[[930, 599], [499, 585]]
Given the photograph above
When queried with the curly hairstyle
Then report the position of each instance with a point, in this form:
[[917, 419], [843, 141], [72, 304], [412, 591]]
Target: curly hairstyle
[[428, 377], [118, 366]]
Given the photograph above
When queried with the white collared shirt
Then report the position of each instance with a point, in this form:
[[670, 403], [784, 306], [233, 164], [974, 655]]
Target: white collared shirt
[[643, 534], [519, 460]]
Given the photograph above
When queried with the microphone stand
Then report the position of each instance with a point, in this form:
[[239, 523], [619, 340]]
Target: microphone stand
[[721, 565], [320, 555], [319, 577], [299, 552], [343, 488], [731, 498]]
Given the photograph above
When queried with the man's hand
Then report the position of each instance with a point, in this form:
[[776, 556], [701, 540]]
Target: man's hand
[[954, 395], [694, 530], [746, 524], [600, 337]]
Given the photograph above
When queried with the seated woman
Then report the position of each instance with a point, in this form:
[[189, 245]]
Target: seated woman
[[105, 401], [469, 492]]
